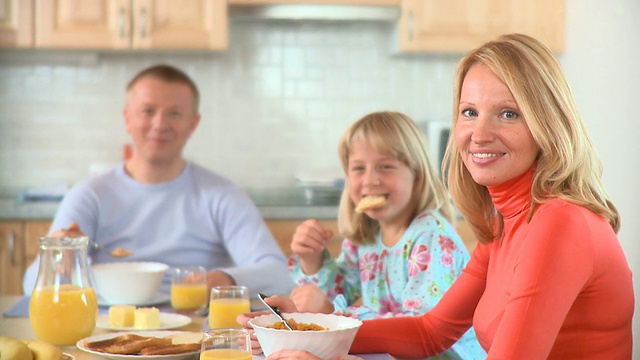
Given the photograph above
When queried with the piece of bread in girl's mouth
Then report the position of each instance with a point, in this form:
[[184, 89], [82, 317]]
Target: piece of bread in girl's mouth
[[371, 202]]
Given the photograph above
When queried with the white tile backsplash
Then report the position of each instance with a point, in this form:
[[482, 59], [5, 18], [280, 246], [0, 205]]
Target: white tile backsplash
[[273, 105]]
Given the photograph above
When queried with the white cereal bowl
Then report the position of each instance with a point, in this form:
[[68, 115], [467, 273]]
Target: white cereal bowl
[[128, 283], [325, 344]]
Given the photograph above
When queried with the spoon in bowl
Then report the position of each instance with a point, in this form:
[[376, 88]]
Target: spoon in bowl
[[274, 310]]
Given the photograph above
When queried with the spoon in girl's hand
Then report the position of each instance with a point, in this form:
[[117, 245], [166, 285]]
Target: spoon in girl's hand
[[274, 310]]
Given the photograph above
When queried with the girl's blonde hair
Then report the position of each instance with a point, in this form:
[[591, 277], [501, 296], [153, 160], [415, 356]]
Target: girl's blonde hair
[[568, 165], [396, 135]]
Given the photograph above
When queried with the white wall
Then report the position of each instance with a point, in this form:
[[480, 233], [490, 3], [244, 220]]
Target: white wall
[[273, 105], [602, 64], [277, 101]]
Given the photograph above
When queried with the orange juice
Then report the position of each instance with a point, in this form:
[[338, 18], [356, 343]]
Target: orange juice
[[188, 296], [63, 317], [223, 312], [222, 354]]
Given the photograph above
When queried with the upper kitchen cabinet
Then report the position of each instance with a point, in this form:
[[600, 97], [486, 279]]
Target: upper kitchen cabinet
[[316, 2], [131, 24], [16, 23], [461, 25]]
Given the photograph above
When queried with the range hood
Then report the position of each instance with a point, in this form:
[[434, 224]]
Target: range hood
[[317, 12]]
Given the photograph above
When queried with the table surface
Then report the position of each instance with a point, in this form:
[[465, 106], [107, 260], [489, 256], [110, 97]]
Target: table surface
[[19, 327]]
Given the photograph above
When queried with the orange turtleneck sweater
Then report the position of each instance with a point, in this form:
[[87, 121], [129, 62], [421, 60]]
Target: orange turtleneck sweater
[[557, 287]]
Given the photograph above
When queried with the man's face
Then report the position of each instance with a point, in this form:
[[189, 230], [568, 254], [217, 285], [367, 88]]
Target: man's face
[[160, 116]]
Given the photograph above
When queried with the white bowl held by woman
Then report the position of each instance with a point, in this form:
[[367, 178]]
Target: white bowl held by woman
[[325, 344], [128, 283]]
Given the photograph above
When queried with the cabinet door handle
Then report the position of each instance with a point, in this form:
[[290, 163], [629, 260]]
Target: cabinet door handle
[[143, 22], [410, 25], [12, 247], [121, 19]]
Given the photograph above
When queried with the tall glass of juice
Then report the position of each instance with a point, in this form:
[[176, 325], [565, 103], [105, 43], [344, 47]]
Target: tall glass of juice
[[226, 303], [63, 307], [189, 290], [221, 344]]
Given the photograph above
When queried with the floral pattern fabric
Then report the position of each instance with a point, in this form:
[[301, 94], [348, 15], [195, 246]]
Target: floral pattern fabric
[[406, 279]]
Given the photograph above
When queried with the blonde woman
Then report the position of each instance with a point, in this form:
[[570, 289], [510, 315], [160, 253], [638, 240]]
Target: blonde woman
[[549, 279], [401, 251]]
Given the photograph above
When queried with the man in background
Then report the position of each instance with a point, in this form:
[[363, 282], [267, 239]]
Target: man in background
[[164, 208]]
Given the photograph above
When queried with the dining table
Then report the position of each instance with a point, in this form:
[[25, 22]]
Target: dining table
[[19, 327]]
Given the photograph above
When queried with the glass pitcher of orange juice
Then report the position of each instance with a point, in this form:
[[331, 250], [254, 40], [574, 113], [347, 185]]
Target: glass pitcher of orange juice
[[63, 307]]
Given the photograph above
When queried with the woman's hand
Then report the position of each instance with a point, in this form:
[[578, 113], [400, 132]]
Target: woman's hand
[[303, 355], [292, 355], [308, 242], [310, 298]]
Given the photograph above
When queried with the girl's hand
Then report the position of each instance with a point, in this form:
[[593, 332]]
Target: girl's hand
[[310, 298], [308, 242]]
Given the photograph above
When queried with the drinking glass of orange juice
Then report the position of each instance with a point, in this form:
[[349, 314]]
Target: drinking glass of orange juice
[[227, 302], [63, 307], [220, 344], [189, 290]]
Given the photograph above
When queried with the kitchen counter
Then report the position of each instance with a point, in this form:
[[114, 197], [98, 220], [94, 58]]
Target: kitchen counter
[[274, 203]]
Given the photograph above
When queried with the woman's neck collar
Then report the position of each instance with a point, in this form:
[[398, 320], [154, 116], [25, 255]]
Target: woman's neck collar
[[513, 196]]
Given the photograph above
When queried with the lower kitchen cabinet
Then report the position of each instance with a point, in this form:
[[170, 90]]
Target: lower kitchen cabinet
[[18, 248], [283, 231]]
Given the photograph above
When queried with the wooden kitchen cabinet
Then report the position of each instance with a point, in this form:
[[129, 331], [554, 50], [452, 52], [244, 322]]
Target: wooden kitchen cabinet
[[12, 257], [33, 231], [316, 2], [461, 25], [16, 24], [18, 249], [283, 231], [132, 24]]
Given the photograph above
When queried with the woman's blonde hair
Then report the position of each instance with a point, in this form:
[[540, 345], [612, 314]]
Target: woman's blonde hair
[[568, 166], [396, 135]]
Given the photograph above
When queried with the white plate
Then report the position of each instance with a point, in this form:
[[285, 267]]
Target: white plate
[[160, 298], [167, 321], [81, 345]]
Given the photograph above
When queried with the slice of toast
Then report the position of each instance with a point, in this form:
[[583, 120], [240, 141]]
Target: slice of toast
[[371, 202], [128, 344], [171, 349]]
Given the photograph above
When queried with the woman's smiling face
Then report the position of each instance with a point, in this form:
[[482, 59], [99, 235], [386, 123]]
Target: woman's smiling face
[[491, 134]]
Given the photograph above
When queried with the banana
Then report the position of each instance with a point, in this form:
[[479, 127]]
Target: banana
[[42, 350], [14, 349]]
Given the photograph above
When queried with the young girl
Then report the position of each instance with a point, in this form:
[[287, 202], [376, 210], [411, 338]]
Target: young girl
[[401, 253]]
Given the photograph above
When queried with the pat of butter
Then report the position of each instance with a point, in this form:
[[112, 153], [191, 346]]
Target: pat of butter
[[121, 315], [147, 318]]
